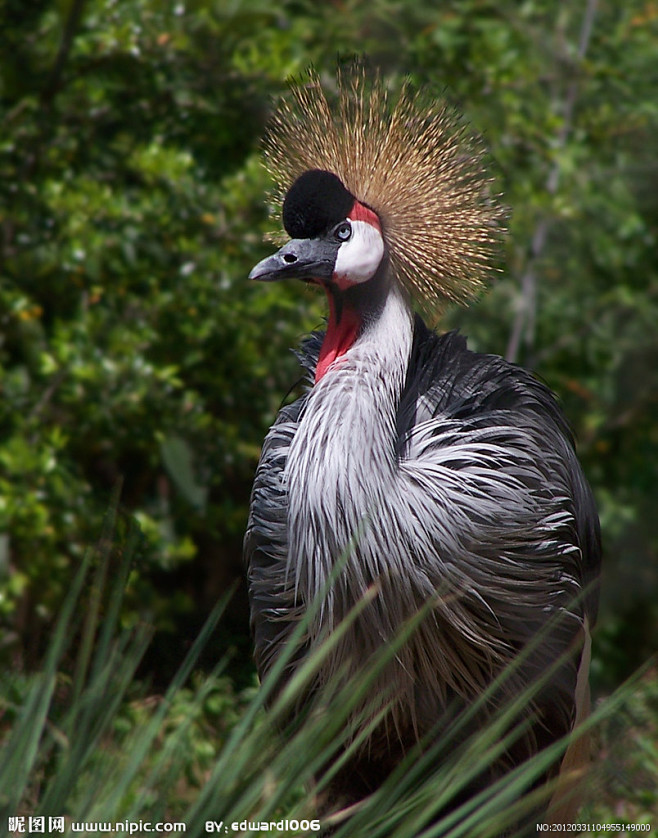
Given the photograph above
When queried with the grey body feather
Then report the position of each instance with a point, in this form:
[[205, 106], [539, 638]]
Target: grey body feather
[[448, 476]]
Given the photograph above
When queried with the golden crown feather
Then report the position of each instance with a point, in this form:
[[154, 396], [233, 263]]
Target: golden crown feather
[[412, 160]]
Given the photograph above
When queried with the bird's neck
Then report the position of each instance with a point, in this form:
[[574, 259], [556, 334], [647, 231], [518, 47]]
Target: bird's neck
[[354, 316], [361, 371], [343, 458]]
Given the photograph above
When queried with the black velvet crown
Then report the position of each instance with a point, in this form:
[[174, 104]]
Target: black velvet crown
[[315, 202]]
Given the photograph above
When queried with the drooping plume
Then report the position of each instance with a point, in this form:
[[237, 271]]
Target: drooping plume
[[414, 162]]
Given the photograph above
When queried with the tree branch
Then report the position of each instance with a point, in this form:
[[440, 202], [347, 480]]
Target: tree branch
[[70, 28], [523, 329], [51, 88]]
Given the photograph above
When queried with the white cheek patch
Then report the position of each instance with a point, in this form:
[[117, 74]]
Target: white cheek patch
[[359, 258]]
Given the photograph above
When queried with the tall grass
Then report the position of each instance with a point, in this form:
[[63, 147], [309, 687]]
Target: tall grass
[[74, 749]]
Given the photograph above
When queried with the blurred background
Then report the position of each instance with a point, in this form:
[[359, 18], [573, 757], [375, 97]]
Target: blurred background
[[134, 353]]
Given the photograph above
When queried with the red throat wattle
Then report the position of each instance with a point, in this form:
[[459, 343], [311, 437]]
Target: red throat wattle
[[342, 329], [340, 336]]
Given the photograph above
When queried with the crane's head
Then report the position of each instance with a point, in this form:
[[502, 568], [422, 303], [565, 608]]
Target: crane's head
[[335, 239], [366, 180]]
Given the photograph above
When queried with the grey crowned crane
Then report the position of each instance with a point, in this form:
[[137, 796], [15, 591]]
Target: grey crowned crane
[[442, 476]]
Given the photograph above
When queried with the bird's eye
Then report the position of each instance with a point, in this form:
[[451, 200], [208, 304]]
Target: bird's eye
[[344, 231]]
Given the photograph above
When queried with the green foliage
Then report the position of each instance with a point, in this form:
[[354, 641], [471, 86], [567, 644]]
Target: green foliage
[[627, 766], [76, 741], [133, 346]]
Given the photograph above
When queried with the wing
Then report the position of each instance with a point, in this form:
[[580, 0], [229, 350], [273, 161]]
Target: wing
[[272, 602], [486, 443], [274, 608], [459, 404]]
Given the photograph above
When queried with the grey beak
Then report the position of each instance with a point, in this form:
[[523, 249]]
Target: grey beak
[[298, 259]]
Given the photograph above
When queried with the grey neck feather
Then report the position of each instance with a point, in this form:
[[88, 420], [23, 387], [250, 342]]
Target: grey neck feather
[[345, 437]]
